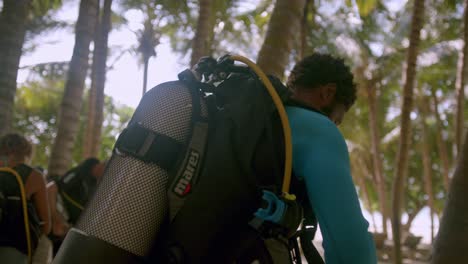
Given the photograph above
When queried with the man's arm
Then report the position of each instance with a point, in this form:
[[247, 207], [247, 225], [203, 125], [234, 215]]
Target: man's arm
[[321, 158], [59, 226], [40, 200]]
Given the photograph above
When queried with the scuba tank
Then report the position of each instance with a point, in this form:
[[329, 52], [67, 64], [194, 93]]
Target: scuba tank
[[125, 215]]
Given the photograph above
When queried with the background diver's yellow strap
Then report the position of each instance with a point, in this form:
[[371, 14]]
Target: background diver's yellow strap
[[25, 209], [72, 201], [284, 121]]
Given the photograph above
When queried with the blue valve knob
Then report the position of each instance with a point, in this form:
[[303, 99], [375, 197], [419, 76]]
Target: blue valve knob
[[275, 209]]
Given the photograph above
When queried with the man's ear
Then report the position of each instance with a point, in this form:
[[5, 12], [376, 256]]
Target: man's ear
[[328, 92]]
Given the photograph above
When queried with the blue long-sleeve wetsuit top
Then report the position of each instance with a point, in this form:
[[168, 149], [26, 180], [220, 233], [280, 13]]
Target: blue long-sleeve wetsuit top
[[320, 157]]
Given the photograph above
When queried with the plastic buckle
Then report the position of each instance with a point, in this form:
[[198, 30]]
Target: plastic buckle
[[135, 141], [275, 209]]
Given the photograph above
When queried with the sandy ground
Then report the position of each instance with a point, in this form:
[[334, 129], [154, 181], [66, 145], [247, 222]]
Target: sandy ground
[[43, 254], [318, 245]]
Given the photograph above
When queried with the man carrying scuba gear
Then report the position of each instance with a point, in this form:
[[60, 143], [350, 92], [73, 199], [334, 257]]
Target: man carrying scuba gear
[[24, 205], [324, 90], [211, 224]]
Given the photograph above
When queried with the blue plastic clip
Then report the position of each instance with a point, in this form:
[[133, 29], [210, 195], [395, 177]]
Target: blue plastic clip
[[274, 211]]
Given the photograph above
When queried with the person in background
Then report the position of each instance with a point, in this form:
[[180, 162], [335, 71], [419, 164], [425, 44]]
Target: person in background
[[69, 195], [15, 152]]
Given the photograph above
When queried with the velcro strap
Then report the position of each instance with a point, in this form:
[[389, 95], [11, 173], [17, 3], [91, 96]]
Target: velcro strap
[[149, 146]]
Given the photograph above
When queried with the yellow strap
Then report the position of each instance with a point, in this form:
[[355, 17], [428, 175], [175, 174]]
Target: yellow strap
[[284, 121], [25, 208], [72, 201]]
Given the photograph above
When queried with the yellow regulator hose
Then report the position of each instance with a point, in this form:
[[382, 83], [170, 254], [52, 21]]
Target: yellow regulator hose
[[284, 121], [25, 208]]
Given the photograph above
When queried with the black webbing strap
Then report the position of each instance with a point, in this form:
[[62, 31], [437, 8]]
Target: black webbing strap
[[307, 233], [149, 146], [24, 171]]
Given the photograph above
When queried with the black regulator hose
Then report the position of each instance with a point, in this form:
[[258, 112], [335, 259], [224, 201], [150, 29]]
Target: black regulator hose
[[307, 235]]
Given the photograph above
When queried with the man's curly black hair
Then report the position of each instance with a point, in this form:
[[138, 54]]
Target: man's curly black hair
[[321, 69]]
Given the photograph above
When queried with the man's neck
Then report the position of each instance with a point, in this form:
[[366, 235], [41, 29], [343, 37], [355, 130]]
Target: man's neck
[[307, 98]]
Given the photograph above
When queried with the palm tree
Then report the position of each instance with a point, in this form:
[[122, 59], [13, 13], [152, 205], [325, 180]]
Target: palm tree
[[461, 81], [441, 144], [405, 132], [371, 89], [451, 244], [13, 21], [201, 44], [427, 162], [98, 79], [68, 121], [361, 174], [162, 16], [156, 13], [149, 40], [309, 9], [367, 11], [17, 18], [281, 36]]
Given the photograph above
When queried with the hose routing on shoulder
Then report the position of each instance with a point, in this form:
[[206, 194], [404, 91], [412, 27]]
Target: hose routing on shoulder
[[72, 201], [284, 122]]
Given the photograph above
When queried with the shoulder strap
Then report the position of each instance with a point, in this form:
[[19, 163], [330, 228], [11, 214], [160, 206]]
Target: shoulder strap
[[309, 225], [24, 171], [189, 168], [21, 172]]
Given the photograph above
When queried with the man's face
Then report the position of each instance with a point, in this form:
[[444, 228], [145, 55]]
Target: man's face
[[337, 114], [329, 105]]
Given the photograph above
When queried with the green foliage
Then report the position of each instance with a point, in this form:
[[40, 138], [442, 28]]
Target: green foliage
[[365, 7], [42, 7], [237, 25], [381, 40], [159, 18], [37, 105], [41, 16], [36, 117]]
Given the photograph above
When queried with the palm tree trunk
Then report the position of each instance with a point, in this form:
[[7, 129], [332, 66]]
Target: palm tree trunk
[[202, 42], [145, 74], [281, 36], [367, 200], [89, 129], [365, 192], [411, 216], [460, 84], [451, 244], [305, 28], [376, 160], [69, 115], [441, 145], [402, 155], [88, 136], [427, 163], [96, 99], [13, 20]]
